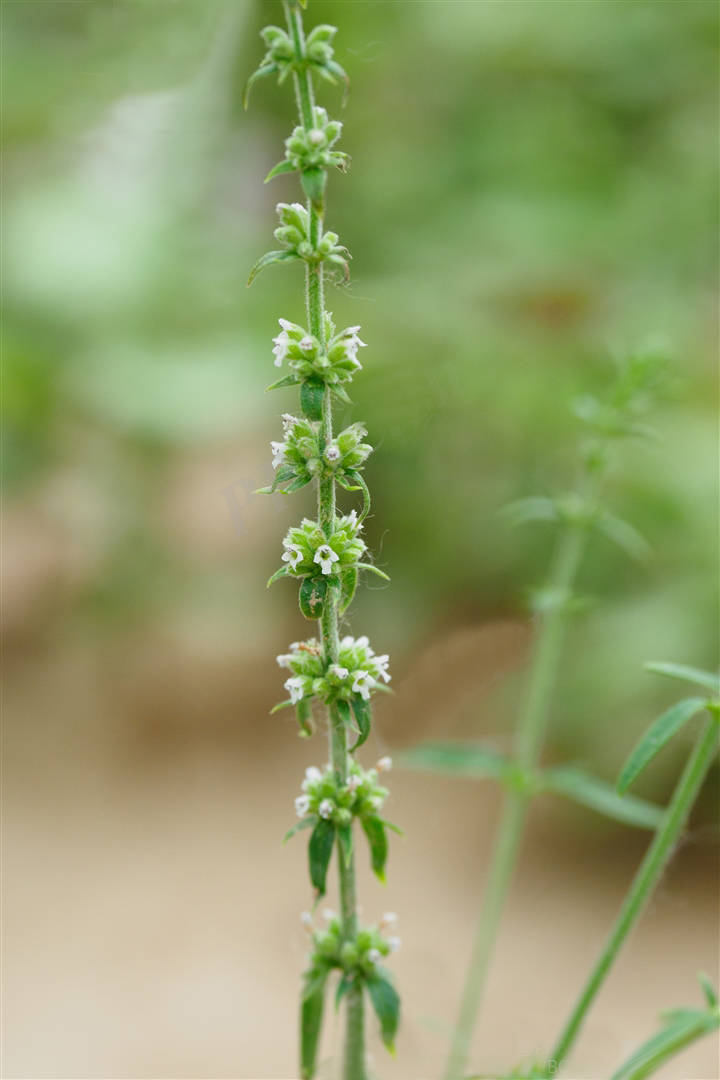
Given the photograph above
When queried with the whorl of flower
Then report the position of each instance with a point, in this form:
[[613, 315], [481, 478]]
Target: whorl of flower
[[308, 552], [362, 796], [302, 455], [358, 673], [309, 150], [359, 960], [294, 232], [281, 58], [306, 358]]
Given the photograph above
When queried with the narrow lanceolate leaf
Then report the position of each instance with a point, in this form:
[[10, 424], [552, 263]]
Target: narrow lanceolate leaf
[[386, 1004], [533, 508], [319, 852], [287, 380], [343, 986], [624, 535], [306, 823], [377, 839], [281, 705], [312, 597], [279, 169], [656, 737], [311, 1013], [361, 711], [358, 483], [588, 790], [707, 679], [303, 711], [282, 572], [455, 758], [267, 69], [688, 1026], [269, 258], [708, 990], [345, 840], [348, 585], [374, 569], [343, 711], [312, 393]]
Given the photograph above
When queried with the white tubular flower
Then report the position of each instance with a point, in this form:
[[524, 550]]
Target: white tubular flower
[[302, 805], [363, 641], [376, 802], [338, 672], [354, 782], [278, 449], [295, 687], [281, 342], [307, 344], [313, 774], [374, 956], [284, 660], [362, 682], [347, 642], [325, 809], [382, 666], [332, 453], [325, 556], [329, 914], [394, 943], [288, 422], [384, 764], [292, 555]]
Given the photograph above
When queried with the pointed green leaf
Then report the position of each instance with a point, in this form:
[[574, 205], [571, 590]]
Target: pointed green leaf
[[656, 737], [345, 840], [313, 184], [343, 986], [348, 585], [708, 990], [589, 791], [624, 535], [279, 169], [303, 711], [319, 852], [394, 828], [386, 1004], [361, 711], [312, 393], [311, 1014], [287, 380], [334, 68], [281, 705], [533, 508], [456, 758], [312, 596], [341, 394], [374, 569], [282, 572], [295, 485], [343, 711], [661, 1047], [266, 69], [377, 839], [359, 482], [707, 679], [305, 823], [267, 259]]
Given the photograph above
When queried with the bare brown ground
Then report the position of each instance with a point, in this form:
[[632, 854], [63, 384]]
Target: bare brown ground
[[151, 914]]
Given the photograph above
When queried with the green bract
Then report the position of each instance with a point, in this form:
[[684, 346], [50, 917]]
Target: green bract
[[282, 57]]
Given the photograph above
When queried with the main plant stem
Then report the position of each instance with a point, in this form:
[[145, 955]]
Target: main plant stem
[[354, 1056], [528, 744], [651, 869]]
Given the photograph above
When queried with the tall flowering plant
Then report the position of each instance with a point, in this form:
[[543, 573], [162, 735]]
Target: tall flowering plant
[[327, 674]]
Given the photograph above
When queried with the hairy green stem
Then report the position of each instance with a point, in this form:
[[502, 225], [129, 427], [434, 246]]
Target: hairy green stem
[[651, 869], [529, 740], [354, 1055]]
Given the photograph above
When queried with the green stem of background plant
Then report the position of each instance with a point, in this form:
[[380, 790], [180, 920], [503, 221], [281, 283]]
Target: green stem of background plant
[[529, 740], [354, 1056], [647, 877]]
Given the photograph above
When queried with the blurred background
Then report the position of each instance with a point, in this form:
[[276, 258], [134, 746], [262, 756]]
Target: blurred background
[[532, 191]]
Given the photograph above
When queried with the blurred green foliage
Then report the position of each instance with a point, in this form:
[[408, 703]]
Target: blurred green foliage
[[532, 189]]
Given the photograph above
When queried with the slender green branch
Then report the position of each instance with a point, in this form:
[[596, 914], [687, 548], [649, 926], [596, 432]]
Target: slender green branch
[[354, 1056], [529, 739], [647, 877]]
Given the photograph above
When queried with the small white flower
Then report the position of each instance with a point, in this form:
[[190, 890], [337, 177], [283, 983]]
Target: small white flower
[[325, 556], [374, 956], [302, 805], [278, 449], [286, 324], [306, 918], [389, 919], [394, 943], [363, 641], [326, 808], [384, 764], [312, 775], [288, 422], [281, 343], [347, 643], [292, 555], [376, 802], [284, 659], [329, 914], [354, 782], [295, 687], [362, 682], [307, 344], [381, 663], [333, 453], [316, 137], [338, 672]]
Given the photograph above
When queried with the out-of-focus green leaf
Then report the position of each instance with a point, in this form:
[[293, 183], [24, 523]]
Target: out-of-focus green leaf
[[386, 1004], [687, 1026], [455, 758], [707, 679], [532, 508], [319, 852], [581, 787], [311, 1014], [377, 839], [625, 535], [657, 735]]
